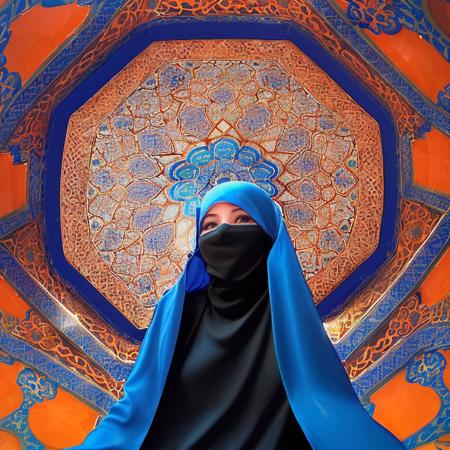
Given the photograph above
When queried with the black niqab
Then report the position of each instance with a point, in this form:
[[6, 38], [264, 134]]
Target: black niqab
[[223, 390]]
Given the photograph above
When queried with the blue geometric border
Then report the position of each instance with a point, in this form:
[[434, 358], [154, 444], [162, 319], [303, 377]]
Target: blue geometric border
[[342, 24], [42, 302], [9, 12], [23, 101], [430, 337], [411, 14], [416, 271], [64, 376], [409, 189]]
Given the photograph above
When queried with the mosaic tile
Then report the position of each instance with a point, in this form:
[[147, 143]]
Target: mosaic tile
[[64, 376], [397, 290], [12, 92], [417, 223], [372, 379], [272, 122], [25, 265], [36, 388], [411, 315], [427, 370], [390, 16]]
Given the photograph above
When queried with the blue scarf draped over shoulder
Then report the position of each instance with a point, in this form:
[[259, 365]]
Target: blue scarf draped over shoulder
[[318, 388]]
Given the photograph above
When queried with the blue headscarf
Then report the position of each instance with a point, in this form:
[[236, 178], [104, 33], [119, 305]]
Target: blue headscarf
[[318, 388]]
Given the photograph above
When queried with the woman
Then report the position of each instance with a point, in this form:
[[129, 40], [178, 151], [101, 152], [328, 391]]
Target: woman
[[232, 383], [224, 389]]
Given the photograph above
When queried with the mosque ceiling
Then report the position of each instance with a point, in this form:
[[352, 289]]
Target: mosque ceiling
[[139, 107]]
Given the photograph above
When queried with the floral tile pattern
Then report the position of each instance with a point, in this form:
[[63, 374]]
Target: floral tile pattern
[[156, 141]]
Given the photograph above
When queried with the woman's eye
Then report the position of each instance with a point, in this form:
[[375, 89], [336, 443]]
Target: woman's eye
[[207, 226], [244, 219]]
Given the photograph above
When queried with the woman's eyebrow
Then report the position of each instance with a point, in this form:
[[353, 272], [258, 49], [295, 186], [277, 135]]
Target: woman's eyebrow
[[212, 214], [209, 214]]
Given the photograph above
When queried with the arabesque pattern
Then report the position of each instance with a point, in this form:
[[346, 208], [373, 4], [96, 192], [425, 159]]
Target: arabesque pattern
[[141, 154]]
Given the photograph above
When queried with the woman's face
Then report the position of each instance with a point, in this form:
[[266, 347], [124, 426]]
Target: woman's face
[[224, 212]]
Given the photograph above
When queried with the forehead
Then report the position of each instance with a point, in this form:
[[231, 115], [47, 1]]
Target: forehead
[[221, 207]]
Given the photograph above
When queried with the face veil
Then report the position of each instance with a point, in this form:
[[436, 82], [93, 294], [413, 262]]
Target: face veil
[[317, 387], [233, 253]]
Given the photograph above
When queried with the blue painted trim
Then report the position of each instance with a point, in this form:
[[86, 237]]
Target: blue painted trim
[[24, 100], [19, 218], [13, 221], [339, 21], [213, 29], [64, 376], [430, 337], [42, 302], [415, 272], [409, 189]]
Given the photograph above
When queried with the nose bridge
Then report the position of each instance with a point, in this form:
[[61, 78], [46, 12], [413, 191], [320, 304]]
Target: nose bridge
[[227, 219], [220, 234]]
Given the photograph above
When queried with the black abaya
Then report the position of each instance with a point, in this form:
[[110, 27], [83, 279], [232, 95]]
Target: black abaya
[[223, 390]]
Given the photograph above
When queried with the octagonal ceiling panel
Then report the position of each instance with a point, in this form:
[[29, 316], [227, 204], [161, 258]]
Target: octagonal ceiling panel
[[183, 116]]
